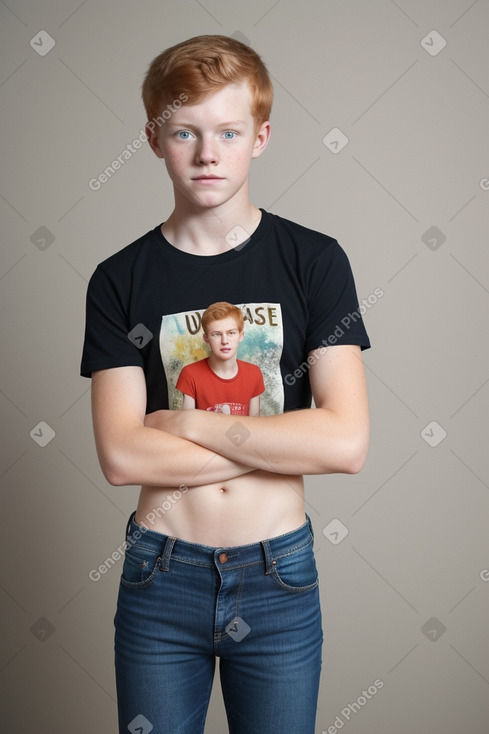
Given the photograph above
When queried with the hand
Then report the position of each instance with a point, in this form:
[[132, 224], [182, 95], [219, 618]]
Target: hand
[[186, 424], [163, 420]]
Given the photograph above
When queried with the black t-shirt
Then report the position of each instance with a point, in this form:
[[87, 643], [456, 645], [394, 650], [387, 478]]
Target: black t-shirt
[[294, 286]]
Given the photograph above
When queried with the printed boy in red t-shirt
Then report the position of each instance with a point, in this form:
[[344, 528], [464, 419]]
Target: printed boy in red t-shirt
[[222, 383]]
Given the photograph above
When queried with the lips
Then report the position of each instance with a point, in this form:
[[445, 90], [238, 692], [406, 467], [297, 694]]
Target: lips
[[207, 178]]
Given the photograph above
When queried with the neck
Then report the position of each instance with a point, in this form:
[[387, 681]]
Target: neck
[[211, 231], [226, 369]]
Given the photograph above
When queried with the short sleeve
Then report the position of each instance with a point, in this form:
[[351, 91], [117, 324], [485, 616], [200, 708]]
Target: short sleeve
[[335, 316], [259, 385], [106, 343], [185, 384]]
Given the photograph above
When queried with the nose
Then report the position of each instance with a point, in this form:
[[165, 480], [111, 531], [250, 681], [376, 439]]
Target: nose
[[206, 152], [224, 339]]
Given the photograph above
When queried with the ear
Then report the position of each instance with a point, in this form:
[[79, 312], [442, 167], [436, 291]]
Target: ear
[[206, 338], [152, 135], [261, 140], [241, 336]]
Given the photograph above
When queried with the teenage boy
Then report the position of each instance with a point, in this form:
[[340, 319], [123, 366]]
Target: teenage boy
[[221, 382], [229, 570]]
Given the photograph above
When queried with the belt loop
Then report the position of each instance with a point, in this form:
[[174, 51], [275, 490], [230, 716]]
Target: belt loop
[[310, 526], [133, 515], [268, 556], [165, 558]]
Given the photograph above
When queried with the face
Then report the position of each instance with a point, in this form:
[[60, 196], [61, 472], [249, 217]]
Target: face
[[208, 147], [223, 337]]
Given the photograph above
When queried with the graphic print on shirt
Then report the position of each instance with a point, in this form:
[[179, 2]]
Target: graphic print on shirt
[[182, 343], [235, 395]]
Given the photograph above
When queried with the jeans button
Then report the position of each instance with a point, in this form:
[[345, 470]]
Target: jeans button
[[223, 557]]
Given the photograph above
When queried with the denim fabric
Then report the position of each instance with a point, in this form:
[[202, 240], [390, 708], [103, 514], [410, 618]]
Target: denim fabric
[[255, 607]]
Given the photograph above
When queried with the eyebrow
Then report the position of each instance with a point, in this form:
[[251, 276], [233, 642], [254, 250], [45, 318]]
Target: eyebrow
[[233, 123]]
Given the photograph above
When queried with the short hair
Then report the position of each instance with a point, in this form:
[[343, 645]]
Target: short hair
[[192, 69], [222, 310]]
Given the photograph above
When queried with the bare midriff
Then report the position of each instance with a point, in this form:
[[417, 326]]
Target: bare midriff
[[243, 510]]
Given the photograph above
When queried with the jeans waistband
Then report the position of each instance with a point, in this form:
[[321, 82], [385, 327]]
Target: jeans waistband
[[228, 557]]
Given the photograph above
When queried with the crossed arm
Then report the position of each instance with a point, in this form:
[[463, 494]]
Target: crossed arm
[[168, 448], [189, 404]]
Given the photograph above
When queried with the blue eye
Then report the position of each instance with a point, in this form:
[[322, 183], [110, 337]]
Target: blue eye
[[229, 134], [183, 134]]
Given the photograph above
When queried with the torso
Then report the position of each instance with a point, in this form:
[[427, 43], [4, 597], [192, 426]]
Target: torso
[[244, 510], [291, 313]]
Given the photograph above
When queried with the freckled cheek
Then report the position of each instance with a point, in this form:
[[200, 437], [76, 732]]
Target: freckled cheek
[[239, 168], [175, 164]]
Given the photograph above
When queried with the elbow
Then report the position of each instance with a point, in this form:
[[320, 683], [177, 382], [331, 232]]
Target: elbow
[[114, 474], [349, 456], [354, 463], [114, 469], [354, 455], [115, 477], [117, 452]]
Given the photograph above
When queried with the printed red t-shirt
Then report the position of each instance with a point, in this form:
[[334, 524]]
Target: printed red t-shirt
[[211, 392]]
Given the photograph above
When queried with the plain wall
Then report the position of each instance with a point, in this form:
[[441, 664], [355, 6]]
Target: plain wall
[[405, 591]]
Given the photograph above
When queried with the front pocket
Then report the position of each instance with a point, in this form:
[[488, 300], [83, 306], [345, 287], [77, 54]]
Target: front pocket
[[140, 567], [296, 571]]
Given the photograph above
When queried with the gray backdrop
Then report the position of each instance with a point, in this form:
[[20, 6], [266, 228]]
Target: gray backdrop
[[381, 113]]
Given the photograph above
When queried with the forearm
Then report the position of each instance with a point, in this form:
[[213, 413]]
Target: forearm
[[309, 441], [151, 457], [132, 451]]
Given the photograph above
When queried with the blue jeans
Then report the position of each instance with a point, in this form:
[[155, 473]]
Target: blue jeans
[[255, 607]]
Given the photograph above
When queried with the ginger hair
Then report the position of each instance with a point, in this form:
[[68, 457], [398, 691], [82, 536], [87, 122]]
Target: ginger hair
[[194, 68], [222, 310]]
